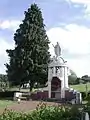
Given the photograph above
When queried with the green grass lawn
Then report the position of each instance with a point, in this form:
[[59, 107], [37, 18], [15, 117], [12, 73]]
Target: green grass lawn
[[5, 103], [17, 89], [81, 87]]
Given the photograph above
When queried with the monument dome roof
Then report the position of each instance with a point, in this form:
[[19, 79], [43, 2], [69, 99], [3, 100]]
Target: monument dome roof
[[57, 62]]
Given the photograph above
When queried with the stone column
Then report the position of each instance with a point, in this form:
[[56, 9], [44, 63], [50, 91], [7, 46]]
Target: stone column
[[66, 77], [49, 73], [49, 89], [54, 71], [63, 84], [62, 78]]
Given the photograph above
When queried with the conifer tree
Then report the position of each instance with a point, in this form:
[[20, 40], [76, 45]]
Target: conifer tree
[[30, 57]]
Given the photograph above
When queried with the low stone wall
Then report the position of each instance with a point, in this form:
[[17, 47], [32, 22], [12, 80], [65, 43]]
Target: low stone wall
[[39, 95], [69, 95]]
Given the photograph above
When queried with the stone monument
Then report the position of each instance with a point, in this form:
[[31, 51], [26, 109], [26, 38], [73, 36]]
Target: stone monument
[[58, 87], [57, 75]]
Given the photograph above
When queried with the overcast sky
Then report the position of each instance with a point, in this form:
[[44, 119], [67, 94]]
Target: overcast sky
[[67, 21]]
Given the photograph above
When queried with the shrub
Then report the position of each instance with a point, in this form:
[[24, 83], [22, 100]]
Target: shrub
[[44, 112]]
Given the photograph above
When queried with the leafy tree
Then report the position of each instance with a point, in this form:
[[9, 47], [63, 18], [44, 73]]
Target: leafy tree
[[77, 81], [29, 59], [85, 78], [72, 79]]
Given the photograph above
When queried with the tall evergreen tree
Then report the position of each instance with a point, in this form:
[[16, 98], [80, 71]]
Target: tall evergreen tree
[[29, 59]]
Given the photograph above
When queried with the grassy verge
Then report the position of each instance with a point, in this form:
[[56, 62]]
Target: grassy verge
[[6, 103], [81, 87]]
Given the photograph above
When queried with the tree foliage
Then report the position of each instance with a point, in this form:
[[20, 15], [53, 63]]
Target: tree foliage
[[29, 59], [72, 79], [4, 84], [3, 78], [85, 78]]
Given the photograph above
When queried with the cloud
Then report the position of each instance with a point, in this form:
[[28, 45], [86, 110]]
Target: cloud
[[86, 4], [73, 37], [80, 1], [3, 55], [79, 66], [10, 24], [76, 40]]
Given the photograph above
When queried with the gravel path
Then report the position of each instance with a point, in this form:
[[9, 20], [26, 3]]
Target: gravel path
[[25, 106]]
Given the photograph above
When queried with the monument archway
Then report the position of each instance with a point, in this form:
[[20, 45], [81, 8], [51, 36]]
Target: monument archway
[[55, 83], [55, 88]]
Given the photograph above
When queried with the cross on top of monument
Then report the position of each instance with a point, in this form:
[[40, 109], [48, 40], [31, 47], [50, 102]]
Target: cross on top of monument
[[57, 49]]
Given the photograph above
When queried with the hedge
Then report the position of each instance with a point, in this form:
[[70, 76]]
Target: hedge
[[7, 94]]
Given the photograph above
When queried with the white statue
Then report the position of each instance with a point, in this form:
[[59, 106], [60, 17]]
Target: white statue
[[57, 49]]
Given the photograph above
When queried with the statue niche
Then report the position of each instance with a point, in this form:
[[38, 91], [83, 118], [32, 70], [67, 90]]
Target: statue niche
[[55, 84]]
